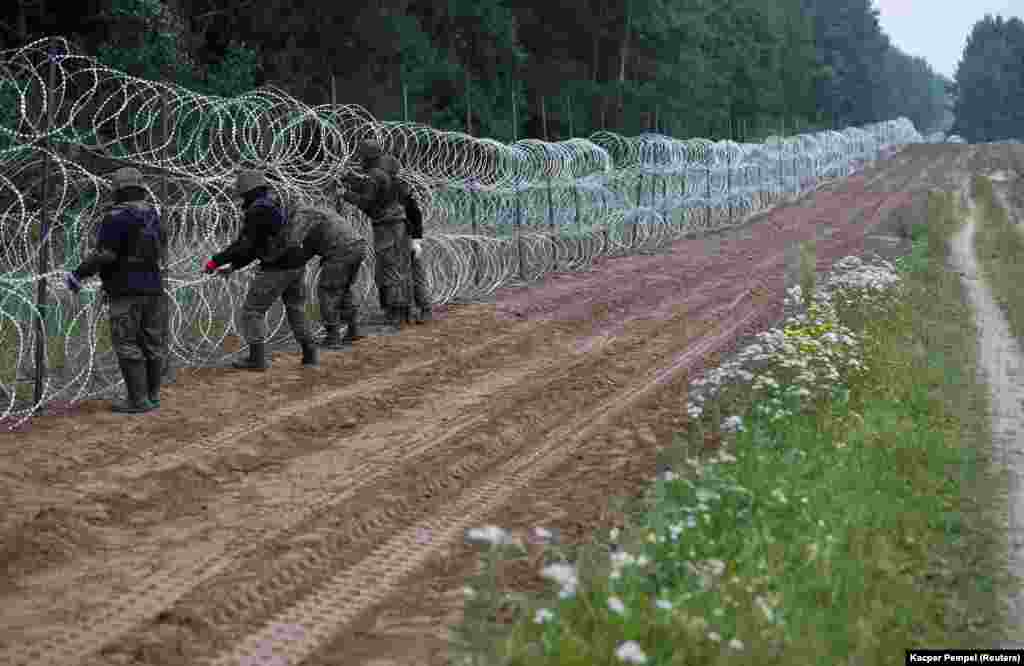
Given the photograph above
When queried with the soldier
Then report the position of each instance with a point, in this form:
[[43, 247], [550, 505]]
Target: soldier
[[342, 251], [414, 229], [129, 247], [379, 196], [267, 236]]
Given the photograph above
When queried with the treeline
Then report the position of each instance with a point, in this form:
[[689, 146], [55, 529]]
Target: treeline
[[739, 69], [990, 82]]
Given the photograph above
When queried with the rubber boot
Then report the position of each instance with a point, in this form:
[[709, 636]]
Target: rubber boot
[[352, 332], [257, 358], [134, 373], [310, 354], [332, 338], [154, 377]]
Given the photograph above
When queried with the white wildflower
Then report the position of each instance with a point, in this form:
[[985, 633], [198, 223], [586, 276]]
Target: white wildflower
[[490, 534], [631, 653], [715, 637], [733, 424], [616, 605], [543, 615], [663, 604], [564, 575]]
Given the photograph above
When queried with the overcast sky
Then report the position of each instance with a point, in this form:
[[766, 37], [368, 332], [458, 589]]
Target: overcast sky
[[937, 30]]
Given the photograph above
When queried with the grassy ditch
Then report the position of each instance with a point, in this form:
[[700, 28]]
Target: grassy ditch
[[845, 511], [999, 246]]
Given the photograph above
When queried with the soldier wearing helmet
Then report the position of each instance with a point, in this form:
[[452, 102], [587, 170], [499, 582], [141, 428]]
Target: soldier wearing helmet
[[130, 245], [380, 196], [414, 231], [266, 236]]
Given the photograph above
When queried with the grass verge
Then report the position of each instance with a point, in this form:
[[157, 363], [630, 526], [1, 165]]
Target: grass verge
[[999, 246], [846, 512]]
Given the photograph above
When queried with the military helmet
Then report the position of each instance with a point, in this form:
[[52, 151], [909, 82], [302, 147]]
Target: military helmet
[[248, 180], [369, 150], [126, 177]]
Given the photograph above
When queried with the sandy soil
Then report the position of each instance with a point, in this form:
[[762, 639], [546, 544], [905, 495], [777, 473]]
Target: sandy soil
[[317, 515]]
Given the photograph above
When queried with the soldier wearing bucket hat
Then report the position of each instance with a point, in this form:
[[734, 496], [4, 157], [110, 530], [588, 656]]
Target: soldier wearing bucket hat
[[130, 245], [380, 196], [268, 237]]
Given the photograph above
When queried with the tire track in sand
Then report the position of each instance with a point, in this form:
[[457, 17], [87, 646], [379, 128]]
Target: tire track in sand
[[281, 575], [164, 589], [327, 610]]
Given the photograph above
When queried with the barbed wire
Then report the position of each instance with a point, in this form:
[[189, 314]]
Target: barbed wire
[[493, 212]]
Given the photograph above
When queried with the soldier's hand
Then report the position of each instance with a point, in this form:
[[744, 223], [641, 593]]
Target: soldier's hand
[[417, 246]]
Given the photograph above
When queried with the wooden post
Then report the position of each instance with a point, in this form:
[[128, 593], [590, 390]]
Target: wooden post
[[728, 184], [469, 119], [167, 134], [568, 112], [515, 116], [44, 255], [551, 225], [519, 237], [544, 117], [405, 102], [334, 91], [664, 195], [476, 256], [682, 196], [707, 192], [579, 220]]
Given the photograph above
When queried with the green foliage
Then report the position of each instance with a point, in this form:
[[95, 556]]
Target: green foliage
[[234, 74], [739, 69], [990, 82]]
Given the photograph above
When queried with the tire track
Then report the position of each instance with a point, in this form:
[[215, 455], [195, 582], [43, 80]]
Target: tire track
[[326, 611], [281, 575], [165, 589]]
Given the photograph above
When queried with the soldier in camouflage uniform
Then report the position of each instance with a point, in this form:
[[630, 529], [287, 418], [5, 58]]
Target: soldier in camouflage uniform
[[380, 196], [267, 237], [129, 247], [341, 250], [414, 231]]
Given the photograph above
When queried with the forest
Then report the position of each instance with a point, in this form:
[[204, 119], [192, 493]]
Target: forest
[[989, 87], [739, 69]]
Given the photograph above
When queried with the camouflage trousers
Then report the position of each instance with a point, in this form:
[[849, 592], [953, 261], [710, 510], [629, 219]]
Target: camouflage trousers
[[137, 327], [420, 294], [265, 289], [337, 276], [391, 263]]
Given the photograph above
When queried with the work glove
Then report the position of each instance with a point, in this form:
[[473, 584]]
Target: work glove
[[211, 267], [73, 283], [417, 246]]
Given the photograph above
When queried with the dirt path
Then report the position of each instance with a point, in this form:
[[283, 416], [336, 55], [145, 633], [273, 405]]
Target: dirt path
[[320, 513], [1002, 363]]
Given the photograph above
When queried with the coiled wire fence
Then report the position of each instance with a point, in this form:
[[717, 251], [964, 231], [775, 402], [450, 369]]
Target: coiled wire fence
[[494, 213]]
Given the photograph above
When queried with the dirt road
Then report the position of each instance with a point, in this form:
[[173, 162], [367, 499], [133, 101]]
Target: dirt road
[[318, 515]]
